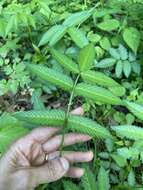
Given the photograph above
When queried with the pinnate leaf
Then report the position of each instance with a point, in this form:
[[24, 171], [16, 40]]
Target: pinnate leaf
[[57, 118]]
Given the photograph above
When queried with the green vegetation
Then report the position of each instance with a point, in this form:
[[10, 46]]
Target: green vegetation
[[56, 55]]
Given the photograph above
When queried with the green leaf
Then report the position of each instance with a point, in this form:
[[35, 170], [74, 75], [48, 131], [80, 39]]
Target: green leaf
[[107, 62], [135, 108], [95, 77], [88, 180], [6, 120], [77, 18], [10, 134], [11, 24], [118, 90], [123, 52], [132, 37], [36, 100], [129, 131], [131, 178], [127, 68], [103, 179], [52, 76], [114, 53], [87, 126], [69, 185], [105, 43], [136, 67], [86, 57], [121, 161], [65, 61], [119, 68], [109, 25], [97, 94], [57, 118], [78, 37], [53, 35]]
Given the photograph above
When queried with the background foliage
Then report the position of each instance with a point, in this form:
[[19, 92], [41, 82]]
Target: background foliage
[[44, 46]]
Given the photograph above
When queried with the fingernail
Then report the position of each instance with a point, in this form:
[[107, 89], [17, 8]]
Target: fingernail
[[64, 163], [53, 156]]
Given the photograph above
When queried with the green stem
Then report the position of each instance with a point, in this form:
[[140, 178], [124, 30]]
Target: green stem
[[67, 113]]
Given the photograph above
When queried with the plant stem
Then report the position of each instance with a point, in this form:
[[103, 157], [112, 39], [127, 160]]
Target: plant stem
[[67, 113]]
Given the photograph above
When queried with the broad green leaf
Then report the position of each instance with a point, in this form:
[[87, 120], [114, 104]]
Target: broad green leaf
[[118, 90], [129, 131], [69, 185], [109, 25], [86, 57], [127, 68], [119, 68], [97, 94], [10, 134], [57, 118], [135, 108], [48, 35], [53, 35], [123, 52], [131, 178], [6, 120], [78, 37], [107, 62], [87, 126], [95, 77], [105, 43], [52, 76], [114, 53], [88, 180], [103, 179], [129, 153], [136, 67], [65, 61], [77, 18], [121, 161], [58, 35], [132, 37], [11, 24]]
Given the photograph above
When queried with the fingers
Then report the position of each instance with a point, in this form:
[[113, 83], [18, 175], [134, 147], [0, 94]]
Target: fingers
[[52, 171], [75, 172], [78, 111], [54, 143], [42, 134], [73, 157]]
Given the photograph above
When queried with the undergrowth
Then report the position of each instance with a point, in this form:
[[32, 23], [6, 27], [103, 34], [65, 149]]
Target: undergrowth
[[56, 55]]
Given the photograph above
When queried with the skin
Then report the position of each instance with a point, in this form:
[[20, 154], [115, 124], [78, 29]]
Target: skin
[[24, 166]]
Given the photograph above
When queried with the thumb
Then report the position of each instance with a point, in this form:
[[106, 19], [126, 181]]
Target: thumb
[[51, 171]]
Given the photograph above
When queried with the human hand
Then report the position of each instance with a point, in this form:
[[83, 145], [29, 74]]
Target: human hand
[[35, 159]]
